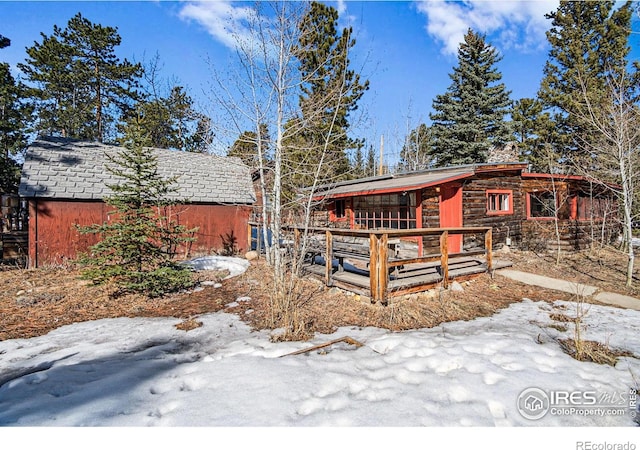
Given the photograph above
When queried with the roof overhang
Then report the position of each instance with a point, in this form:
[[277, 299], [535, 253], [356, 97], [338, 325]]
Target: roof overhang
[[413, 181]]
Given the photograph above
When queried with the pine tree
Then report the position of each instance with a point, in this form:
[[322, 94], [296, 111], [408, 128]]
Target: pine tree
[[470, 118], [15, 115], [246, 147], [170, 122], [137, 246], [370, 167], [78, 81], [358, 169], [589, 42], [416, 153], [330, 93]]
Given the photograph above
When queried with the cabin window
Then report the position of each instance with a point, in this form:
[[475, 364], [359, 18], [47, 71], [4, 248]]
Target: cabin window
[[339, 211], [395, 211], [541, 205], [499, 202]]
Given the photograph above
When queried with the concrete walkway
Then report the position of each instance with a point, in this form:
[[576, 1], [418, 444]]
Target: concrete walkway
[[610, 298]]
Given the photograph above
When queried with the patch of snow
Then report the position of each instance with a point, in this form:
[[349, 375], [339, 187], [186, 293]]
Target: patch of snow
[[139, 372], [235, 266]]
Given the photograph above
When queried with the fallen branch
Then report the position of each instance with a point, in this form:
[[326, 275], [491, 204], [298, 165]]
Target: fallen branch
[[346, 339]]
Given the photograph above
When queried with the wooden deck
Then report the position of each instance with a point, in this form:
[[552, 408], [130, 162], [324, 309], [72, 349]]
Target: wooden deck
[[407, 279], [373, 262]]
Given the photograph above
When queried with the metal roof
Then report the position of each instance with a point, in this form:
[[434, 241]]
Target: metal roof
[[410, 181], [69, 169]]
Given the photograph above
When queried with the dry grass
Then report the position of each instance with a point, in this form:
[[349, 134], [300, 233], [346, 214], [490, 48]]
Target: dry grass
[[323, 310], [593, 351], [33, 302], [602, 267]]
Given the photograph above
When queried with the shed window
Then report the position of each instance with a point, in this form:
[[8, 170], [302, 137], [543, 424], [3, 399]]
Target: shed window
[[542, 205], [499, 202]]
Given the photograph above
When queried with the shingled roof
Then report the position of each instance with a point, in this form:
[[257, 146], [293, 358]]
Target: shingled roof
[[69, 169]]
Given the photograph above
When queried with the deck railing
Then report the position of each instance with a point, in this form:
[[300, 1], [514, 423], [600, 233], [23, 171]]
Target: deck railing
[[379, 258]]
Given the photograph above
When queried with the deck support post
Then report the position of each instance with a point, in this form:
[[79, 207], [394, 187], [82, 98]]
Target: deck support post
[[329, 260], [488, 246], [373, 267], [378, 267], [383, 271], [444, 258]]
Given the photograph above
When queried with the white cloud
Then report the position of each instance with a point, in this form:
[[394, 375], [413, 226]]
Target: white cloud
[[224, 21], [514, 24]]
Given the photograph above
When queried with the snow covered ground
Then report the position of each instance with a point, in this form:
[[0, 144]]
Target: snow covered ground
[[135, 372]]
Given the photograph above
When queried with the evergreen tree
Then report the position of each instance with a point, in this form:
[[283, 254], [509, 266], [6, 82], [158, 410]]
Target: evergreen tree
[[370, 167], [170, 122], [358, 169], [15, 115], [416, 153], [137, 247], [470, 118], [589, 42], [199, 141], [246, 147], [80, 85], [330, 92]]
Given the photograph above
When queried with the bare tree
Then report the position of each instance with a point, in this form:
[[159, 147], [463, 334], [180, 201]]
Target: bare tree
[[262, 89], [615, 156]]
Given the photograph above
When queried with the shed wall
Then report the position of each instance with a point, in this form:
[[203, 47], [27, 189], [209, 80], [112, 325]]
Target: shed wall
[[54, 238]]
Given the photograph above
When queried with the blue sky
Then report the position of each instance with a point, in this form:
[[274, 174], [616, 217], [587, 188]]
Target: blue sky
[[406, 49]]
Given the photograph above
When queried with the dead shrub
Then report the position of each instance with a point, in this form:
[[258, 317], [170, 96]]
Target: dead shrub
[[592, 351]]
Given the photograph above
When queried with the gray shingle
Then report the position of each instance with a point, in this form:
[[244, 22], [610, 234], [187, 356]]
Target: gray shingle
[[69, 169]]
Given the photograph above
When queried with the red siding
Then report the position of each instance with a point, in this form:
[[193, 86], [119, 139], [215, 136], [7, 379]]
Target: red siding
[[53, 237]]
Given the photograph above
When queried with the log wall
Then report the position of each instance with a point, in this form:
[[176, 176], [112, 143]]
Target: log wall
[[474, 201]]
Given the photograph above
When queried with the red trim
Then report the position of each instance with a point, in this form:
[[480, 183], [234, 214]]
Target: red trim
[[419, 219], [350, 214], [509, 192], [332, 212], [573, 207], [558, 176]]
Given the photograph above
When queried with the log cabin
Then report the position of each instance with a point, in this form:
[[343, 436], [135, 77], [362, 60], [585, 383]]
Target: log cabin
[[521, 207], [65, 184]]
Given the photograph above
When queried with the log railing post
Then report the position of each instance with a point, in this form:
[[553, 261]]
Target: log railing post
[[488, 246], [383, 271], [373, 267], [329, 260], [444, 257]]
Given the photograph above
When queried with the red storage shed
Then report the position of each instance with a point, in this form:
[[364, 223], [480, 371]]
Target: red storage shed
[[65, 183]]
